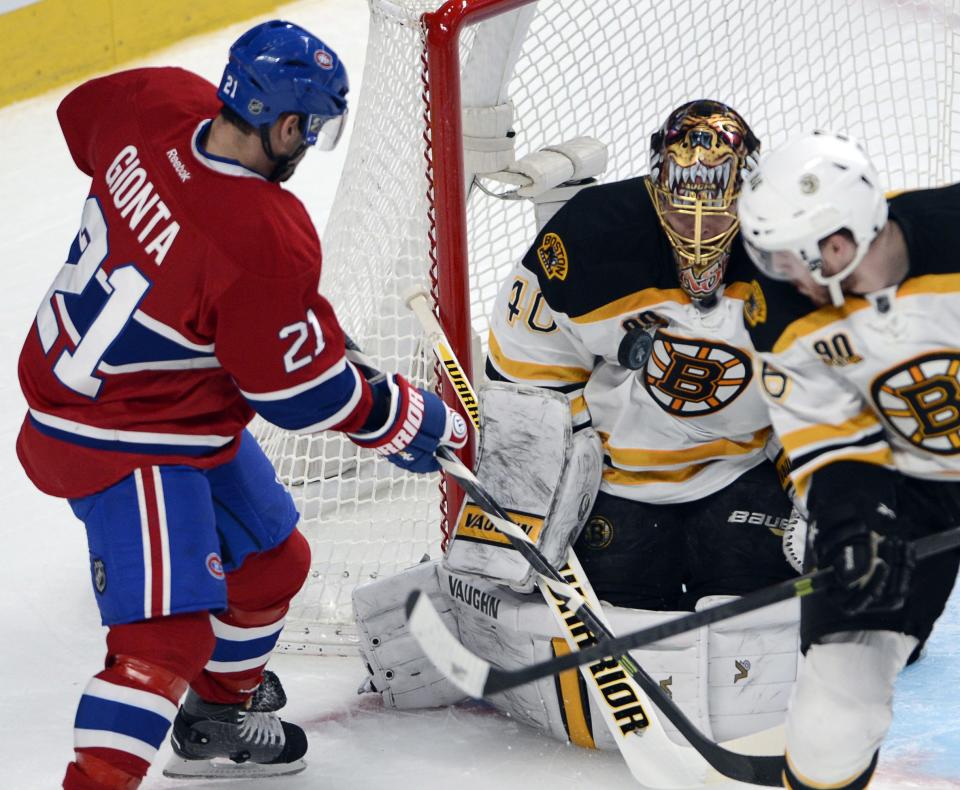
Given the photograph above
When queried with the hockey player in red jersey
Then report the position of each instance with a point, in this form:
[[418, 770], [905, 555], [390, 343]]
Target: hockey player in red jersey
[[188, 301], [854, 318]]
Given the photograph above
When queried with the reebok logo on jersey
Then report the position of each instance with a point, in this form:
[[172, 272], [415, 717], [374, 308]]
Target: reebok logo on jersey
[[178, 164]]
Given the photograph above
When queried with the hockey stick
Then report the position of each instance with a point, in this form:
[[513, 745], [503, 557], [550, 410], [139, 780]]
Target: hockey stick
[[653, 759], [473, 674], [417, 301], [484, 679]]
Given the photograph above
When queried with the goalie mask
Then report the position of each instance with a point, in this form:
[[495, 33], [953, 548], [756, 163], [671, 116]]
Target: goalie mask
[[697, 163]]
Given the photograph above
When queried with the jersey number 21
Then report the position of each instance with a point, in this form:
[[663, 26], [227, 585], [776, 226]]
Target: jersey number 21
[[120, 293]]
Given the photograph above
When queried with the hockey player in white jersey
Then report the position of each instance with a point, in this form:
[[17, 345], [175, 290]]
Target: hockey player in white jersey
[[690, 506], [854, 315], [689, 503]]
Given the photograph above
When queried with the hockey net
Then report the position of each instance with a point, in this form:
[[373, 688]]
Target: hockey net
[[881, 70]]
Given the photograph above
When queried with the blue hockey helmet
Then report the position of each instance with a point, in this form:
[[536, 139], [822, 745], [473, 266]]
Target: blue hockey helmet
[[278, 67]]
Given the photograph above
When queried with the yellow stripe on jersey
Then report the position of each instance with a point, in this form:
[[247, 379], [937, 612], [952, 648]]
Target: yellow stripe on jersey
[[574, 703], [719, 448], [891, 194], [533, 371], [819, 318], [578, 404], [824, 316], [633, 303], [738, 290], [647, 298], [879, 457], [930, 284], [795, 441], [620, 477]]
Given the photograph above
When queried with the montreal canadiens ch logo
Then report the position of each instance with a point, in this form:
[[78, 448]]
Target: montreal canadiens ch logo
[[920, 399], [692, 377], [324, 59], [215, 565]]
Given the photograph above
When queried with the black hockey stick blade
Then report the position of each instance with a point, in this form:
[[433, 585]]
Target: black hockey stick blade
[[808, 584]]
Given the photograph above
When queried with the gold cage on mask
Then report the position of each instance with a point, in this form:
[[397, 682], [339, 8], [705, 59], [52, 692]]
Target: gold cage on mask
[[694, 251]]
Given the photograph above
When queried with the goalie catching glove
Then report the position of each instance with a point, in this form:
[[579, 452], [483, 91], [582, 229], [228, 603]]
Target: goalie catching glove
[[417, 422]]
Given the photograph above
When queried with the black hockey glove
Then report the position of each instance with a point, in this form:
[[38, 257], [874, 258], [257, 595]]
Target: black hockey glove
[[872, 572]]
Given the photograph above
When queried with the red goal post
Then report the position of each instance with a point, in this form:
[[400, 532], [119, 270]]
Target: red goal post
[[450, 274]]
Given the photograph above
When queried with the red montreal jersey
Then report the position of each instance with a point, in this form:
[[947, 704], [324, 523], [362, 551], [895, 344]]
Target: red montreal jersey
[[189, 299]]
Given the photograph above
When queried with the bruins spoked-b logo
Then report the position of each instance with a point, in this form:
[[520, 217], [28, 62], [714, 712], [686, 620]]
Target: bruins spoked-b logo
[[920, 399], [598, 533], [755, 305], [553, 257], [692, 377]]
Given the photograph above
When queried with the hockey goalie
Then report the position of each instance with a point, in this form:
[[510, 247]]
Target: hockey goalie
[[623, 429]]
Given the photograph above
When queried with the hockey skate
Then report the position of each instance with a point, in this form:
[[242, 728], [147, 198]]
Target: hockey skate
[[234, 741]]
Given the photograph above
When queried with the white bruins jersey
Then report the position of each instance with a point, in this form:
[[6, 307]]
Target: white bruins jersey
[[690, 422], [877, 380]]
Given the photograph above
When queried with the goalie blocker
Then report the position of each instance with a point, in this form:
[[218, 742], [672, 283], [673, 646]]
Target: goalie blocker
[[542, 473], [730, 679]]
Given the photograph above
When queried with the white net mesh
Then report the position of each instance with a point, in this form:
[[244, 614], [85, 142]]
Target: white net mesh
[[881, 70], [364, 517]]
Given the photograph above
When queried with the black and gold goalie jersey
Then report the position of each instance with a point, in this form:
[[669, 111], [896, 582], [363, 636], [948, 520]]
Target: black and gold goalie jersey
[[692, 420], [876, 381]]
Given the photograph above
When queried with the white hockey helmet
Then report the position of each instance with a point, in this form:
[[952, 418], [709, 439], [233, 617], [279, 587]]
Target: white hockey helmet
[[802, 193]]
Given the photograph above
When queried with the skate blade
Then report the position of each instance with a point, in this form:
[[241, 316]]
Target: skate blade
[[178, 768]]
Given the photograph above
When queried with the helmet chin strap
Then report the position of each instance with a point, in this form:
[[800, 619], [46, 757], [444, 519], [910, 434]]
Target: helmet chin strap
[[834, 282], [283, 166]]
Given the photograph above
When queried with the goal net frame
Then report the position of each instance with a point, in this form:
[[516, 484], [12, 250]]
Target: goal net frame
[[908, 52]]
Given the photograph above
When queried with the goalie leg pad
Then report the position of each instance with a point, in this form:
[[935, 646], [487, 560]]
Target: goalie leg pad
[[514, 630], [753, 667], [398, 669], [539, 471], [843, 705]]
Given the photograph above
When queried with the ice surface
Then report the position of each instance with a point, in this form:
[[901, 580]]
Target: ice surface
[[52, 640]]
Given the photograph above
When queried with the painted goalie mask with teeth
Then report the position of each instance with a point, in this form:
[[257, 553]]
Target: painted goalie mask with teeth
[[697, 162]]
